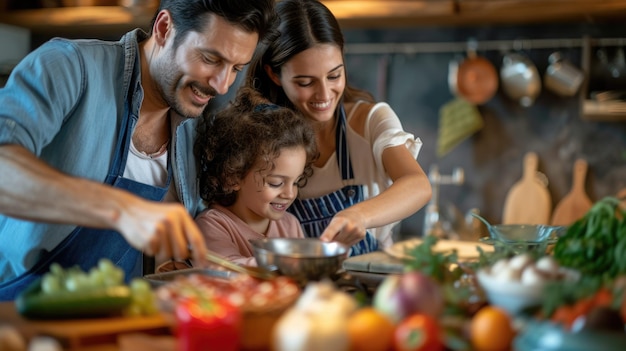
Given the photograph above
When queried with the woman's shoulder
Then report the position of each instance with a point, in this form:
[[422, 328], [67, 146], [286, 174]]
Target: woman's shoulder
[[358, 113]]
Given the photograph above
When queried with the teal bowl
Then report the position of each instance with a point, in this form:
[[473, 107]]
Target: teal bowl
[[546, 336]]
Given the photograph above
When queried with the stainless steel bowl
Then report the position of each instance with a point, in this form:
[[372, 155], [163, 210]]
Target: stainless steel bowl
[[300, 259]]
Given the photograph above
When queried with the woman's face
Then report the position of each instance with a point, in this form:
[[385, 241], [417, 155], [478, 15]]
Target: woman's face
[[266, 195], [314, 81]]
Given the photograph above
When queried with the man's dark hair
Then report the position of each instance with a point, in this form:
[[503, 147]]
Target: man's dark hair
[[254, 16]]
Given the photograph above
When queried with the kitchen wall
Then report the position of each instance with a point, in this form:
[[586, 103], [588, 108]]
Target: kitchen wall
[[15, 44], [416, 87]]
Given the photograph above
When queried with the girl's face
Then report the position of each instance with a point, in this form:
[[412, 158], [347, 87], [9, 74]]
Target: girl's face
[[266, 195], [314, 81]]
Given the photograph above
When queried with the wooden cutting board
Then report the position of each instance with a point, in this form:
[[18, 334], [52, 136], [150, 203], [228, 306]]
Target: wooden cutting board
[[622, 196], [528, 201], [576, 203], [78, 334]]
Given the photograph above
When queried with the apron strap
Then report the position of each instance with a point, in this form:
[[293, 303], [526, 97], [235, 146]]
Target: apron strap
[[341, 142]]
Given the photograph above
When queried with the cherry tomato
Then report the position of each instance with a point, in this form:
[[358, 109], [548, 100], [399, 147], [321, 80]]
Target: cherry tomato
[[418, 332]]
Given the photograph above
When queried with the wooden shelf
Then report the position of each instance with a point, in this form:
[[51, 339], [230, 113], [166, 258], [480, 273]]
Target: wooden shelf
[[115, 20]]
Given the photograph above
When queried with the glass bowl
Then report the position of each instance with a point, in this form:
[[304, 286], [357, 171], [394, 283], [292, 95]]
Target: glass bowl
[[520, 238]]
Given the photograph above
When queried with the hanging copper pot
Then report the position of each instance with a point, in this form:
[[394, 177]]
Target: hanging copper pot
[[475, 79]]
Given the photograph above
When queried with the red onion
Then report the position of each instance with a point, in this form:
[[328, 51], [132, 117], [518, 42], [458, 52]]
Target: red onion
[[399, 296]]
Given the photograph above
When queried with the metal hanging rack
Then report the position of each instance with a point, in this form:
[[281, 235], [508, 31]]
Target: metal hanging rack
[[485, 45]]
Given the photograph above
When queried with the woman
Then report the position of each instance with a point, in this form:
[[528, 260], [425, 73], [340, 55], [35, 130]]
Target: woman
[[366, 178]]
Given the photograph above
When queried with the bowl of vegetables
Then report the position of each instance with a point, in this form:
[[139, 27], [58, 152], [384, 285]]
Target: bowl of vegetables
[[517, 283], [300, 259]]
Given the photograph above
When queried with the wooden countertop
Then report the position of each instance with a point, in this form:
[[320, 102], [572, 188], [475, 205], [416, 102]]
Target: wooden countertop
[[114, 20], [101, 334]]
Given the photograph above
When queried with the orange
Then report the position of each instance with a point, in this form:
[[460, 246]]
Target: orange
[[369, 330], [491, 330]]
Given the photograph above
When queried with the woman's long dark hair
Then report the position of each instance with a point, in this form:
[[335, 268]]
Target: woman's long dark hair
[[303, 24]]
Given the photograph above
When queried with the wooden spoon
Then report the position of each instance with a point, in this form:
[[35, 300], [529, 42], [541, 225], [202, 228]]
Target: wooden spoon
[[576, 203], [256, 272]]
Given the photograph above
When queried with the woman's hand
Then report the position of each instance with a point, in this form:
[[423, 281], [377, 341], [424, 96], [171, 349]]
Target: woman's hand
[[347, 227]]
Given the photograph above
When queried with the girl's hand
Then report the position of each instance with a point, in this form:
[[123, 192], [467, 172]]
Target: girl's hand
[[347, 227]]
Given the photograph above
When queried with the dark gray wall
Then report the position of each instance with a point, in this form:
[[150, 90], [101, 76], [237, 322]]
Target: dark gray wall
[[416, 87]]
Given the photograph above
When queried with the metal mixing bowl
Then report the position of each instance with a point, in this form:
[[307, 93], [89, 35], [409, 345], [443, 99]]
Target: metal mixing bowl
[[301, 259]]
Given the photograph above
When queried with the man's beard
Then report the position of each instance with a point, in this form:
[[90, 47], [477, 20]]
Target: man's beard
[[168, 85]]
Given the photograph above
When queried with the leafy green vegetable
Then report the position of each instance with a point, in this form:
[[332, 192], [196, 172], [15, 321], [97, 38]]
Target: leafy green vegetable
[[596, 244]]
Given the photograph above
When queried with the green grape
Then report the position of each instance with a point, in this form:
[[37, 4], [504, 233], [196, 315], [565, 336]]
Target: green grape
[[96, 278], [56, 269], [51, 283], [106, 266], [140, 286], [77, 281]]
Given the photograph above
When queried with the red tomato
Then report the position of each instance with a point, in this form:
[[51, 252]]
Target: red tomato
[[207, 322], [418, 332]]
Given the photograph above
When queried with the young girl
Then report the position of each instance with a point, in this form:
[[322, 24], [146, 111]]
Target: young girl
[[253, 157]]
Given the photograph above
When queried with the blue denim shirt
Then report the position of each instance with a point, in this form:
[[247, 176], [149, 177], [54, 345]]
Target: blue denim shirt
[[65, 103]]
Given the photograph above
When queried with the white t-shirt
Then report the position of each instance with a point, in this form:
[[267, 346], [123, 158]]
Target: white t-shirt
[[383, 129], [149, 169]]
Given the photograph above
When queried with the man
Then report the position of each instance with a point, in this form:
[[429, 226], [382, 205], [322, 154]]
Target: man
[[96, 139]]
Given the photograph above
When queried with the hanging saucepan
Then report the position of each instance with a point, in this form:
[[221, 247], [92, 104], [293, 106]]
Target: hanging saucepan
[[474, 79], [520, 78]]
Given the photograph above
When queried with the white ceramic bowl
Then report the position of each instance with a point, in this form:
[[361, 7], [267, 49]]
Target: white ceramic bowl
[[512, 296]]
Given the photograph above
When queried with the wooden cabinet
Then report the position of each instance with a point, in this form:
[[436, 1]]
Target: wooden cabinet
[[115, 20]]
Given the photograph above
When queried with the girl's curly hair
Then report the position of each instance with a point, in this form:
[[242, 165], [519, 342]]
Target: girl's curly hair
[[248, 131]]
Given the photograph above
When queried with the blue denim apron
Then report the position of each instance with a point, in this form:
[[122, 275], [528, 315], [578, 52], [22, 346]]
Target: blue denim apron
[[315, 214], [84, 247]]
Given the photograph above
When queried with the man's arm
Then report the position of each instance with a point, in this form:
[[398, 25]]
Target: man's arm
[[32, 190]]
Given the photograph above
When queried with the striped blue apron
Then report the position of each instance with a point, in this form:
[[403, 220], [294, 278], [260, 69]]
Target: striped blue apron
[[315, 214], [84, 247]]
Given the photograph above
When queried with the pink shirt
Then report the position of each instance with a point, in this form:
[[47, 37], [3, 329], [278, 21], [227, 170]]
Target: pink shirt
[[228, 235]]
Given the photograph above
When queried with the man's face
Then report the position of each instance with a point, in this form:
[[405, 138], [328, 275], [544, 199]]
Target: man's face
[[204, 65]]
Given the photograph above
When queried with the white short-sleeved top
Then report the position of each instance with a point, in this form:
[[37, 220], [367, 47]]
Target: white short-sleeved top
[[383, 129]]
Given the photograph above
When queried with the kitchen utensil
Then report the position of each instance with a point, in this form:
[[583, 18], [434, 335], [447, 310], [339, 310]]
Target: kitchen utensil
[[476, 79], [528, 201], [519, 238], [301, 259], [458, 119], [256, 272], [562, 77], [575, 203], [515, 296], [622, 196], [520, 78], [158, 279], [466, 250]]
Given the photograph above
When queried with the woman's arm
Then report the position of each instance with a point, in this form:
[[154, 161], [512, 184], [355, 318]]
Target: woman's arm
[[409, 192]]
